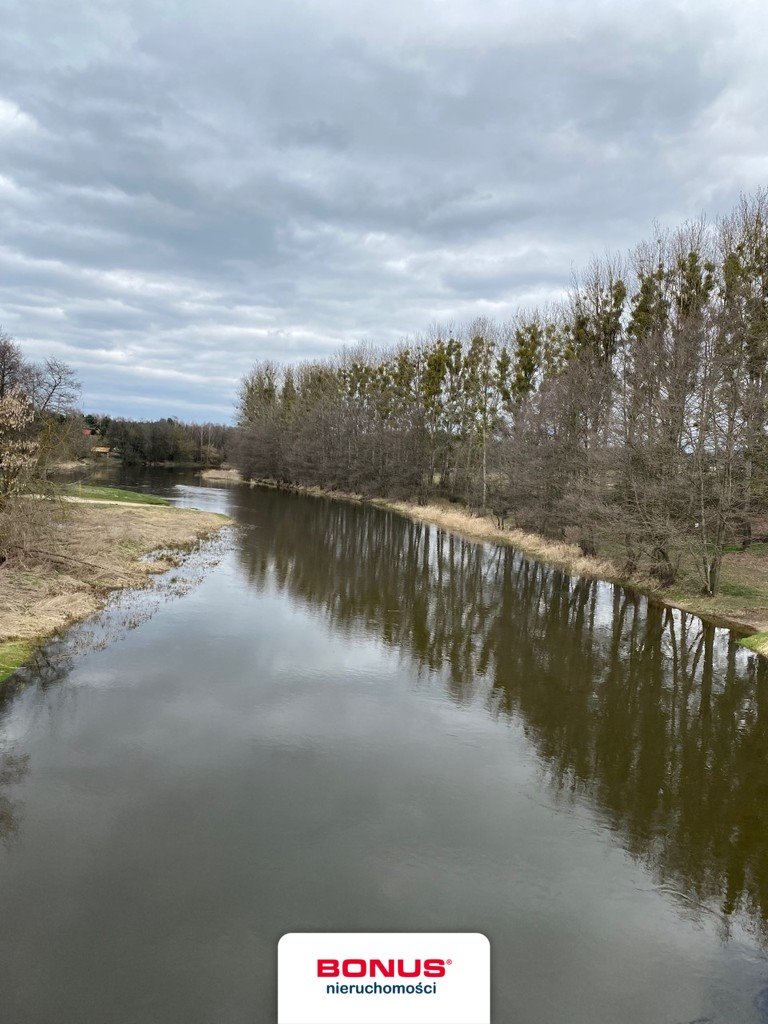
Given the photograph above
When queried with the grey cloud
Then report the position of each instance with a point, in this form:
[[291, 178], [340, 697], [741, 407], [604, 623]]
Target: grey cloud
[[193, 186]]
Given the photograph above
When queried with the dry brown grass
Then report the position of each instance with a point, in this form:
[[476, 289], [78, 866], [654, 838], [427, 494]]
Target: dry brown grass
[[231, 476], [70, 465], [483, 527], [97, 548]]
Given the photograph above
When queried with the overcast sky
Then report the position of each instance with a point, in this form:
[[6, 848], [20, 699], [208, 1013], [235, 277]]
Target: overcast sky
[[188, 185]]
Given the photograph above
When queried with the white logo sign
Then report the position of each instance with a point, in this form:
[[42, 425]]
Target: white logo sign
[[383, 978]]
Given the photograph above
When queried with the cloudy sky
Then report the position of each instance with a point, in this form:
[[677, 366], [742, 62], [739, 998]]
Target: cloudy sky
[[189, 185]]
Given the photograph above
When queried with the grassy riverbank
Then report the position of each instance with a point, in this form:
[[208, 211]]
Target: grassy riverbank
[[742, 602], [93, 492], [101, 543]]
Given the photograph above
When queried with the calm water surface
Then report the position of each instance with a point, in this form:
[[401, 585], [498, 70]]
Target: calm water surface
[[352, 722]]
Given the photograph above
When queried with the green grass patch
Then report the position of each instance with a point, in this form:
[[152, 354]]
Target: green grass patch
[[13, 654], [739, 590], [97, 493], [758, 642]]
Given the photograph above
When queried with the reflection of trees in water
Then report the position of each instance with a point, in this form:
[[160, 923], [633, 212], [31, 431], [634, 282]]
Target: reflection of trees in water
[[13, 768], [657, 718], [51, 664], [48, 668]]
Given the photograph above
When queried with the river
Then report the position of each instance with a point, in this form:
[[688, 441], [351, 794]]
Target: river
[[337, 719]]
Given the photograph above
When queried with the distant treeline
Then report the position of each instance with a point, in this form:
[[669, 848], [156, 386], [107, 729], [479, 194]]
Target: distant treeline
[[630, 418], [42, 429], [150, 442]]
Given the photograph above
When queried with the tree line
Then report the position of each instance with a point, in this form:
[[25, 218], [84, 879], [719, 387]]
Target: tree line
[[629, 418], [168, 440], [42, 428]]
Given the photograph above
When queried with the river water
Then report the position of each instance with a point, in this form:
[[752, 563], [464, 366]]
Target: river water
[[336, 719]]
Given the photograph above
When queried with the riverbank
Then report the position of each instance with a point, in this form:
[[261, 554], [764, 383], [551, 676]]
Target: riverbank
[[222, 475], [98, 546], [742, 603]]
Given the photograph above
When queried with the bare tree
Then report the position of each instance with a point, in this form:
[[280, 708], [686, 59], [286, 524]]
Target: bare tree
[[12, 366], [635, 412], [53, 387]]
